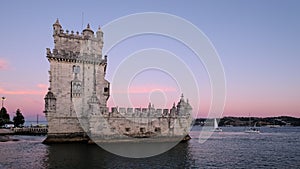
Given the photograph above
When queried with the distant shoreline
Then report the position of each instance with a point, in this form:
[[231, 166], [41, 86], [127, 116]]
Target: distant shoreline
[[24, 131], [251, 121]]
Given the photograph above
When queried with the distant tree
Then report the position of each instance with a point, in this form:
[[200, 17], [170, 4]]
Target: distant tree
[[18, 119], [4, 117]]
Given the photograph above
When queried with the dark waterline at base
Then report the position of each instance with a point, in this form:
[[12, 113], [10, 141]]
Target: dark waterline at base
[[232, 148]]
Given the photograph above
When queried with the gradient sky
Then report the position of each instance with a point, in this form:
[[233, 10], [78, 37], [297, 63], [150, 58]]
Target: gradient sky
[[257, 41]]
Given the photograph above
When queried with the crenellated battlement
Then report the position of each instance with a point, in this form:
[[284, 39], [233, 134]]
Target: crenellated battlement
[[121, 123], [86, 34], [182, 109], [71, 46], [70, 56]]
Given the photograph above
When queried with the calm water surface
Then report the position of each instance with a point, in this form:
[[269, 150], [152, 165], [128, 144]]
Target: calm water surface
[[232, 148]]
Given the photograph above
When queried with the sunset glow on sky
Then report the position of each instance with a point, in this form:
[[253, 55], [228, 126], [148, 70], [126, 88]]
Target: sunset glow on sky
[[257, 42]]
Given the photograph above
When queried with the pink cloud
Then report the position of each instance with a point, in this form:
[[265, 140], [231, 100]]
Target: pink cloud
[[162, 96], [42, 88], [21, 92], [3, 64], [146, 89]]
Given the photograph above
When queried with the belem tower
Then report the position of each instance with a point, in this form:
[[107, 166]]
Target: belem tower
[[76, 102]]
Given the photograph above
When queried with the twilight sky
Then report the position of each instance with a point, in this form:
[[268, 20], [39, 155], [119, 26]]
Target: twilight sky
[[257, 42]]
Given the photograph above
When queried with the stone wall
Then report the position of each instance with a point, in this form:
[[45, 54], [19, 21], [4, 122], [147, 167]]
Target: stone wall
[[141, 122]]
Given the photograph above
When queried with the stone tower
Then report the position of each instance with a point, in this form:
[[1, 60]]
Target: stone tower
[[77, 70]]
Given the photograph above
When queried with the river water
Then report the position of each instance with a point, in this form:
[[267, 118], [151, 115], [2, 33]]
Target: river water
[[232, 148]]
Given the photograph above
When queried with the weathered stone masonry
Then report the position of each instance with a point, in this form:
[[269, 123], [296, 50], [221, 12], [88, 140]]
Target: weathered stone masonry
[[77, 74]]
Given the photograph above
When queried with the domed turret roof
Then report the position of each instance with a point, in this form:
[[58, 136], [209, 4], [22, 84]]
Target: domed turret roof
[[50, 95], [57, 23], [181, 101], [99, 29], [88, 29]]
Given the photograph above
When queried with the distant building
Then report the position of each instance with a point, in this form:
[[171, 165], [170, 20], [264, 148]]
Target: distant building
[[9, 126]]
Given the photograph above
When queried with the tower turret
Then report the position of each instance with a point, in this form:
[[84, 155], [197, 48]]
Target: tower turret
[[88, 32], [50, 103], [57, 27], [99, 33], [181, 106], [188, 108], [173, 111]]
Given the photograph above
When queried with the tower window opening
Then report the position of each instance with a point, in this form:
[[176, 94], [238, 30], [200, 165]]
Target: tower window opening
[[105, 89], [157, 129], [142, 130]]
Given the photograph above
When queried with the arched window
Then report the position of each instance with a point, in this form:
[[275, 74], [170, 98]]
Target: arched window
[[76, 69]]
